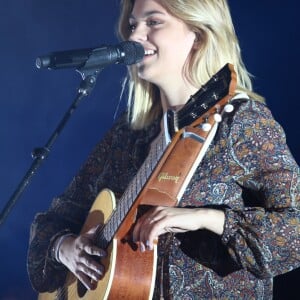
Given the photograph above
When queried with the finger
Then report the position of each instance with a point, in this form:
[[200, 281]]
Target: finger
[[145, 230], [94, 250], [158, 226], [144, 226], [86, 281], [92, 271], [90, 265], [151, 242], [139, 229], [136, 231], [142, 247], [92, 231], [150, 235]]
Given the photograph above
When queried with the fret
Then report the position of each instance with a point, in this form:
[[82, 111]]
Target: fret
[[145, 169], [119, 212], [153, 158], [132, 191], [136, 187], [114, 225], [138, 183], [126, 204]]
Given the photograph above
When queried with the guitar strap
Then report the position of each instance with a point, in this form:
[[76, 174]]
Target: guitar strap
[[183, 155]]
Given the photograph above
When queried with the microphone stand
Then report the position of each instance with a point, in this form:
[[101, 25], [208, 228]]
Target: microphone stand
[[89, 75]]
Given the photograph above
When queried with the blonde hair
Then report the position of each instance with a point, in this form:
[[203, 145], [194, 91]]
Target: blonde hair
[[218, 45]]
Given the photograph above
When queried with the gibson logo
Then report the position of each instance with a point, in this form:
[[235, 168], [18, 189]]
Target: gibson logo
[[166, 176]]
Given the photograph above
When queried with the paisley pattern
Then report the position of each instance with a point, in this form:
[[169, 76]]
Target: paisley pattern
[[248, 172]]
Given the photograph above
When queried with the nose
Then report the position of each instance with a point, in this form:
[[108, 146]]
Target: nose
[[139, 34]]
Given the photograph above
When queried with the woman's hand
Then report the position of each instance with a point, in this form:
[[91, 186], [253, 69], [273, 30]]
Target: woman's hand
[[76, 254], [160, 220]]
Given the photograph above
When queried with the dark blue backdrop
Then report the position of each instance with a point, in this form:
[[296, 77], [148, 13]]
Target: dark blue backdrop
[[33, 101]]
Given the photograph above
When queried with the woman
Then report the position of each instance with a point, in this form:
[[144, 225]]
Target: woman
[[237, 224]]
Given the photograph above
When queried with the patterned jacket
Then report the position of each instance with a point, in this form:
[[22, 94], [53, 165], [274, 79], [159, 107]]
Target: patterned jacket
[[248, 172]]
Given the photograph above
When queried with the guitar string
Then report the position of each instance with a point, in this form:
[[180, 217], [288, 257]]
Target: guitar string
[[105, 234], [214, 90]]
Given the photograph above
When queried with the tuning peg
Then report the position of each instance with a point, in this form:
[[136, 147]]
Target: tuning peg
[[217, 117], [228, 108], [206, 127]]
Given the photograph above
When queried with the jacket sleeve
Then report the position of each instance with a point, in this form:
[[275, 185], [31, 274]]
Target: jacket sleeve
[[67, 213], [264, 239]]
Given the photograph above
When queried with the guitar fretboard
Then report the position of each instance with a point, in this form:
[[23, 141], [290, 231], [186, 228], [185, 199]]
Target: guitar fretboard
[[124, 204]]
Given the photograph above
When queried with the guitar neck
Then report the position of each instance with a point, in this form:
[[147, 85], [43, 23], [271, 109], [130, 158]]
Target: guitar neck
[[104, 237], [221, 84]]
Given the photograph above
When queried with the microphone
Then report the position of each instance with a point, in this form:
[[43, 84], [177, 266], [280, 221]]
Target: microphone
[[127, 53]]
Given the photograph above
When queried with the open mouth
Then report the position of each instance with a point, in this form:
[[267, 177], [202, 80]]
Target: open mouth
[[150, 52]]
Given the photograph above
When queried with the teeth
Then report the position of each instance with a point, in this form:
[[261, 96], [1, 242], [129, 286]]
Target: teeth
[[149, 52]]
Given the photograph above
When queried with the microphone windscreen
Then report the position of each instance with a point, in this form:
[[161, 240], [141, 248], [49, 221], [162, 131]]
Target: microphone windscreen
[[134, 52]]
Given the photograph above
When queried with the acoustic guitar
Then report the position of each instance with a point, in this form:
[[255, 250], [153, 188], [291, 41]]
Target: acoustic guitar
[[130, 273]]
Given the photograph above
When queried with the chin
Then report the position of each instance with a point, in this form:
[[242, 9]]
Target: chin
[[145, 77], [146, 74]]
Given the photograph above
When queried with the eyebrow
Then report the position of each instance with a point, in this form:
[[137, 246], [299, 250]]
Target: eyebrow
[[147, 14]]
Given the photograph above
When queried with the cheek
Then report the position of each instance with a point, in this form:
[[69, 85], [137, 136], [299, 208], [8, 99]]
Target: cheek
[[181, 51], [183, 44]]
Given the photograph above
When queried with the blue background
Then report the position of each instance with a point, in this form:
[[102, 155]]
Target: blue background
[[33, 102]]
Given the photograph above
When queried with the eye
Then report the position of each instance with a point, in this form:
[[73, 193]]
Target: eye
[[132, 27], [152, 22]]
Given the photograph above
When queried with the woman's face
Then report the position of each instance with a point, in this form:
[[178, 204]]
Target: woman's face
[[166, 39]]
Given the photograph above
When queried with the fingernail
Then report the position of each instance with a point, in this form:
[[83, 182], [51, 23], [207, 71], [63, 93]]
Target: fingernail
[[100, 271], [148, 245], [94, 285]]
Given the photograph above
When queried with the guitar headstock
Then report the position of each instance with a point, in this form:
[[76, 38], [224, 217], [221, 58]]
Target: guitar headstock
[[220, 88]]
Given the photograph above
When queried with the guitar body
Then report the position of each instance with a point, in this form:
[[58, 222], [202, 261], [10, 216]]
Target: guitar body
[[130, 274]]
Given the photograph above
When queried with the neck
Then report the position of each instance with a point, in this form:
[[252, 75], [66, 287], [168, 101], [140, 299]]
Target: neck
[[175, 96]]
